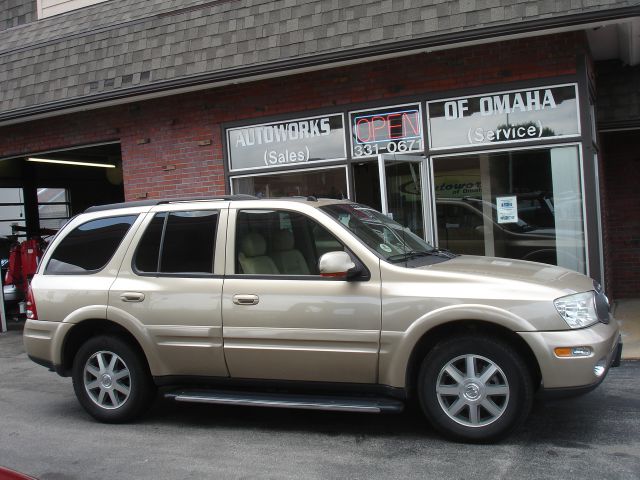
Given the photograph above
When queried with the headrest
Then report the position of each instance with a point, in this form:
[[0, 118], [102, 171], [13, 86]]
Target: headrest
[[283, 240], [253, 245]]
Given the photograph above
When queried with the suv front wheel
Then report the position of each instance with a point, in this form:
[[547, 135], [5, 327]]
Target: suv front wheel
[[111, 380], [474, 388]]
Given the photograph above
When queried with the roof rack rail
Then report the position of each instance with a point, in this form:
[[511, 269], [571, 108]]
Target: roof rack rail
[[162, 201]]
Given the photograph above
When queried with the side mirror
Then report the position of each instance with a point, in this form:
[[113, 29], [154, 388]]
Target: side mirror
[[335, 264]]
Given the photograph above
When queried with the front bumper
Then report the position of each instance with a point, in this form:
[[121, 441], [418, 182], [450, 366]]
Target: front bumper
[[577, 374]]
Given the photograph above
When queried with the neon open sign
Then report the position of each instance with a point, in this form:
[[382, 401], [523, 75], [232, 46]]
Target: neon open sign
[[387, 130]]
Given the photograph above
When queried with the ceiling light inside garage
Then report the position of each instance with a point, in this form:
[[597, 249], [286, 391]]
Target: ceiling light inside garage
[[69, 162]]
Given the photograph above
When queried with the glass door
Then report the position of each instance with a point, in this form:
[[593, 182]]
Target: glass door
[[403, 196]]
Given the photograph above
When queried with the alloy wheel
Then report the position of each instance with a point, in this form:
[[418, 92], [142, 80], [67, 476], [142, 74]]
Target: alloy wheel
[[472, 390], [107, 380]]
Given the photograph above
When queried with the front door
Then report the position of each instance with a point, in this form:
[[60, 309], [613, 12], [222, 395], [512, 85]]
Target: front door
[[397, 186], [402, 180], [282, 320]]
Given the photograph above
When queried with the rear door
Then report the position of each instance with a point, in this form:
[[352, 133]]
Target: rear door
[[170, 286]]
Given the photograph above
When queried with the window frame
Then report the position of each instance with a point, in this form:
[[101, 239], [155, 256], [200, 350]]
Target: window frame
[[63, 7], [14, 221], [167, 213], [66, 203]]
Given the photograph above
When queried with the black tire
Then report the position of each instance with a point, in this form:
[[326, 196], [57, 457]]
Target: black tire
[[469, 419], [123, 399]]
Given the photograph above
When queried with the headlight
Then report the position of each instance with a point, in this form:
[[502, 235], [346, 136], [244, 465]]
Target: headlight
[[578, 310]]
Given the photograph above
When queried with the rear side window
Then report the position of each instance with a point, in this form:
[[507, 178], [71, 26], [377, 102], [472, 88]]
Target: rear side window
[[178, 243], [90, 246]]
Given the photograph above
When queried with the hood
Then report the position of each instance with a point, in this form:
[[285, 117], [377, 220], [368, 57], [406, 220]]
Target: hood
[[542, 274]]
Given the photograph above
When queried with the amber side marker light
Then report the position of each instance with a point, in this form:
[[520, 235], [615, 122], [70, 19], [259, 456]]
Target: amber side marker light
[[565, 352]]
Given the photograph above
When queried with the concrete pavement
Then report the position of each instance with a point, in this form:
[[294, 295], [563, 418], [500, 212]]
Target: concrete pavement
[[627, 312]]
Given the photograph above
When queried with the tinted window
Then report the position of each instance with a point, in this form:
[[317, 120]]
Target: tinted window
[[146, 259], [178, 242], [90, 246]]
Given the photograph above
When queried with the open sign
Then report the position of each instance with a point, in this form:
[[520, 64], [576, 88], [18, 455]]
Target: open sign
[[387, 130]]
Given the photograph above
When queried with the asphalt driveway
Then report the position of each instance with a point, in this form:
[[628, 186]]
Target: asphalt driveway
[[44, 432]]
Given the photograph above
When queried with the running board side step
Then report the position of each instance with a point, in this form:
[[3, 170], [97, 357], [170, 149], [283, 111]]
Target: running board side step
[[305, 402]]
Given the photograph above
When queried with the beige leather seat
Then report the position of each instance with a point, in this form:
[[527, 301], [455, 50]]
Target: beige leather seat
[[252, 256], [288, 260]]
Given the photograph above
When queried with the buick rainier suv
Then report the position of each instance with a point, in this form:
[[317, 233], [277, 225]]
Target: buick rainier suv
[[307, 303]]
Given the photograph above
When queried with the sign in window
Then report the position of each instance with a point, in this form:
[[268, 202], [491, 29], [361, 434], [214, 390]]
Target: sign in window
[[386, 130], [287, 143], [497, 118]]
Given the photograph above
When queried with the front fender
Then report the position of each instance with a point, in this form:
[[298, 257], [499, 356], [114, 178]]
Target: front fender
[[396, 347]]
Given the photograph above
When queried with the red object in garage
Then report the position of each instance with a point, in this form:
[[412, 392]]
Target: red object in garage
[[23, 263], [14, 273], [30, 253]]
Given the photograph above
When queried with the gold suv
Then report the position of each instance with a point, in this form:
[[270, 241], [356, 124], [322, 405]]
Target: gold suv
[[307, 303]]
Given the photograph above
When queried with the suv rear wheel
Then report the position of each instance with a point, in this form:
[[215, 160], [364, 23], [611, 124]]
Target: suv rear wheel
[[475, 388], [111, 380]]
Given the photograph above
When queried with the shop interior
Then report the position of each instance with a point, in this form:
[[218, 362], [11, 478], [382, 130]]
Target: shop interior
[[38, 194]]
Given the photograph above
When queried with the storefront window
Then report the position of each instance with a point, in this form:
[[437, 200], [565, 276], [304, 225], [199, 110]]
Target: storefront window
[[321, 183], [524, 204]]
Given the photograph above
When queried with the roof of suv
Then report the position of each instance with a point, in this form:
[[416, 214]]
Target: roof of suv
[[240, 197]]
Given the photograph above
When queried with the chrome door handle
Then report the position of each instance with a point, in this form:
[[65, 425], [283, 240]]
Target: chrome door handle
[[132, 297], [246, 299]]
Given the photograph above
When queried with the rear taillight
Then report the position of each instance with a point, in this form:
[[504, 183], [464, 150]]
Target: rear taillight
[[32, 313]]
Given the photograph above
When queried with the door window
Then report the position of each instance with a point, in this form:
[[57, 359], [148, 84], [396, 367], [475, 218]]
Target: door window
[[178, 243], [280, 242]]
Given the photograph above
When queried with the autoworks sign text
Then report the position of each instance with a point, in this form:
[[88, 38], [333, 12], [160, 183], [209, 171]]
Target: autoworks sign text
[[290, 142]]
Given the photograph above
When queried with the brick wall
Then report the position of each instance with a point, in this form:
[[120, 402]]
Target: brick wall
[[185, 130], [16, 12], [618, 88], [621, 217], [618, 107]]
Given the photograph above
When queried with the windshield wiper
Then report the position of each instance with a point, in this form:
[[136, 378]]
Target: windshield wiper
[[410, 254], [421, 253]]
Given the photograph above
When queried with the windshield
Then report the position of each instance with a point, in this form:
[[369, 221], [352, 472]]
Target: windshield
[[386, 237]]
